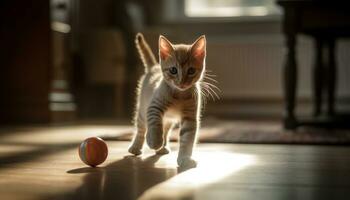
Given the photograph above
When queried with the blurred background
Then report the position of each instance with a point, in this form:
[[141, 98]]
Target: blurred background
[[69, 69], [69, 60]]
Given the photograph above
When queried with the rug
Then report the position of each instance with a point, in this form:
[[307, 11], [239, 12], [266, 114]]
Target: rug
[[257, 132]]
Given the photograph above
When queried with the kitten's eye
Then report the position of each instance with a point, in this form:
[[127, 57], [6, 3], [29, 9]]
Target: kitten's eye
[[173, 70], [191, 71]]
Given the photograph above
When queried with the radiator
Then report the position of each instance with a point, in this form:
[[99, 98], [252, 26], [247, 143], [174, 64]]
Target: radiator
[[250, 68]]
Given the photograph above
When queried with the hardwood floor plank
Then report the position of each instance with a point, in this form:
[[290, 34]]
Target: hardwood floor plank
[[43, 164]]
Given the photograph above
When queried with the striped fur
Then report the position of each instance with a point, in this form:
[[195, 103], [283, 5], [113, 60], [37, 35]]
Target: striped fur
[[165, 99]]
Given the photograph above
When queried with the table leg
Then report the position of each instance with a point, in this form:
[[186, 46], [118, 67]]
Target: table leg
[[331, 77], [318, 72], [289, 78]]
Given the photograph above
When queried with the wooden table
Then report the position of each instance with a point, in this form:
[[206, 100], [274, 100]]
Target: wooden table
[[325, 21]]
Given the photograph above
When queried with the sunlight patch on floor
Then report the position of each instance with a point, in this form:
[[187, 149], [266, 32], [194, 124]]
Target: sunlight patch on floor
[[212, 167], [62, 134]]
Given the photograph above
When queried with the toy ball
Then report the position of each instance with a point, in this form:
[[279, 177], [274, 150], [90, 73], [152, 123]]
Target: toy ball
[[93, 151]]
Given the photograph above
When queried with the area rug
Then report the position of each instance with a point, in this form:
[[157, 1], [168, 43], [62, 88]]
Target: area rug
[[257, 132]]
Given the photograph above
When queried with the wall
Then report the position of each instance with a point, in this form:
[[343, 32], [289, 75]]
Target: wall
[[246, 53], [248, 57]]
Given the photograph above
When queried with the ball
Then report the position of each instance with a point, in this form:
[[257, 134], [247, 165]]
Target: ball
[[93, 151]]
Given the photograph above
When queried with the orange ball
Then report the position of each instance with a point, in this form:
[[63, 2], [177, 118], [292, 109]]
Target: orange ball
[[93, 151]]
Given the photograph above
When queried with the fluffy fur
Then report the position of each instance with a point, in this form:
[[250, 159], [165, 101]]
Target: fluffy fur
[[170, 92]]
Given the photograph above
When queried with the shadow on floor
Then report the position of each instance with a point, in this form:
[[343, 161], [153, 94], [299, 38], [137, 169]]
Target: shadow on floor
[[41, 150], [125, 179]]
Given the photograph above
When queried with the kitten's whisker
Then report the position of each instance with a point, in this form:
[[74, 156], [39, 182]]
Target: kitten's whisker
[[204, 101], [199, 91], [202, 92], [211, 79], [211, 88], [212, 85], [205, 95], [208, 92], [209, 74], [213, 91]]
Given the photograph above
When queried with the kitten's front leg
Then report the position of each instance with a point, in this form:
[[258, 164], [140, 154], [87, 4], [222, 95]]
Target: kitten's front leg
[[154, 136], [166, 131], [189, 128]]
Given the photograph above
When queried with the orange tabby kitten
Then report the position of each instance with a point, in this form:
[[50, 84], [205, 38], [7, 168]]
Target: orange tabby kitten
[[169, 93]]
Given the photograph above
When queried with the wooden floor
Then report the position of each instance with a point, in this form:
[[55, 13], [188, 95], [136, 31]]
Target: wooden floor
[[42, 163]]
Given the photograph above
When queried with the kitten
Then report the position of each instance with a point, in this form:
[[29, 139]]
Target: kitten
[[169, 93]]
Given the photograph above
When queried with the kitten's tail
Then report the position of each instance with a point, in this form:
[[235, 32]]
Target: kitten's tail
[[146, 54]]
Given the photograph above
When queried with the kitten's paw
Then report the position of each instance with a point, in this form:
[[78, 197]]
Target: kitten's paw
[[135, 150], [186, 162], [163, 150], [154, 138]]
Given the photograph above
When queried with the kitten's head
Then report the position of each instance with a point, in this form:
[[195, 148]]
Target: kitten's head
[[182, 65]]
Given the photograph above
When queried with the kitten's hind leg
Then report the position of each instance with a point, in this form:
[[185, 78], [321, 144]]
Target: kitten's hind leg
[[165, 149], [139, 137]]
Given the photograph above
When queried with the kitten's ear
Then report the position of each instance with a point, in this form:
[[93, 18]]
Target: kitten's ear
[[165, 48], [198, 49]]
